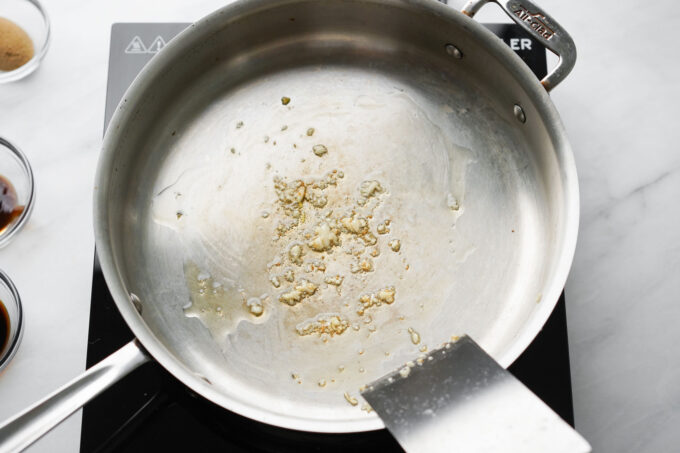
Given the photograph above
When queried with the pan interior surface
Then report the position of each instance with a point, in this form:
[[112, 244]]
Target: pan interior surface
[[476, 199]]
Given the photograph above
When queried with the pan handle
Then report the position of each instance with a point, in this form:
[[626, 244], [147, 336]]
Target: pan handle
[[542, 27], [30, 425]]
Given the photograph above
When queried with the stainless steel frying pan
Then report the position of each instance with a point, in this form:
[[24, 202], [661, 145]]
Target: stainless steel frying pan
[[476, 175]]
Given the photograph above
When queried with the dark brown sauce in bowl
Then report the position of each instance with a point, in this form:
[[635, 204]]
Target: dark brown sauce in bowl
[[4, 327], [9, 210]]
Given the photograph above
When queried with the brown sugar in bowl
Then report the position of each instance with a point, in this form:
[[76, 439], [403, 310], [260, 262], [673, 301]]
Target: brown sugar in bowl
[[16, 47]]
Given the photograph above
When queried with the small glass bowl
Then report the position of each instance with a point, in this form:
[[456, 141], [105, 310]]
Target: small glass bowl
[[12, 302], [31, 16], [14, 167]]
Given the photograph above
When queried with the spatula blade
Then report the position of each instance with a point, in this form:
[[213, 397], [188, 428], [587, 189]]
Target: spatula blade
[[458, 399]]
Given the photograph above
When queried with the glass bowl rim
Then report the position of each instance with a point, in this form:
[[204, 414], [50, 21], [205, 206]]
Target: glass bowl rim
[[30, 66]]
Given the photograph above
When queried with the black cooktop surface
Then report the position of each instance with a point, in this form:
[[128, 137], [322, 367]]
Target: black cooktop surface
[[150, 410]]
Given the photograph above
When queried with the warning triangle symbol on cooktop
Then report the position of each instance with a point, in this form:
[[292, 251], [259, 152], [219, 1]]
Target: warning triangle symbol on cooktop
[[136, 46], [156, 45]]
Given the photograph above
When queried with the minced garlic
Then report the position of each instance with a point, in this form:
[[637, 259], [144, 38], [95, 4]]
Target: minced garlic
[[331, 324], [303, 289]]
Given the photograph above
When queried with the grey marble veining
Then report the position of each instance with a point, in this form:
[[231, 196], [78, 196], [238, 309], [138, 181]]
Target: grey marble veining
[[623, 311]]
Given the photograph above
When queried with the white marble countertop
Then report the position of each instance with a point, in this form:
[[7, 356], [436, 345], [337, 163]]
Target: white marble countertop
[[622, 295]]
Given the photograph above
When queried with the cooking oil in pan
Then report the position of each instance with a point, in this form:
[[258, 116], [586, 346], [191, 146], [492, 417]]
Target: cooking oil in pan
[[415, 336], [311, 247], [220, 308]]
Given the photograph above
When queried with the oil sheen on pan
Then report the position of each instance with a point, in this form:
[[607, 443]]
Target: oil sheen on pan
[[328, 257]]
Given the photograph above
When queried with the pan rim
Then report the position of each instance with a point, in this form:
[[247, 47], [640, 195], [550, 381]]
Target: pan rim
[[126, 111]]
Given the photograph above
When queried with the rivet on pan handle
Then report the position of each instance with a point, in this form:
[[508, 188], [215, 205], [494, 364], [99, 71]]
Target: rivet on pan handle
[[542, 27]]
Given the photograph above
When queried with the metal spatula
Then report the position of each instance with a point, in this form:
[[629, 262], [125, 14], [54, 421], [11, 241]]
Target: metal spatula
[[458, 399]]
